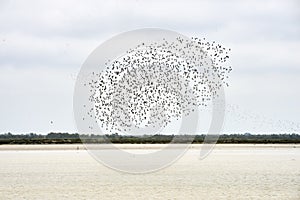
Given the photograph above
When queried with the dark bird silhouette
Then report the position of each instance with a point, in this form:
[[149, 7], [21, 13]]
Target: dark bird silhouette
[[153, 84]]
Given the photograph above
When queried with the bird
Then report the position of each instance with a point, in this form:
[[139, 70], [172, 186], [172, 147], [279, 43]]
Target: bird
[[152, 83]]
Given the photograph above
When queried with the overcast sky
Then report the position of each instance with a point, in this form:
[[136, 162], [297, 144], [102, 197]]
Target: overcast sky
[[44, 43]]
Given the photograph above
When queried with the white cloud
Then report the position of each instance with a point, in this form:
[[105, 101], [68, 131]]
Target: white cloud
[[44, 43], [31, 98]]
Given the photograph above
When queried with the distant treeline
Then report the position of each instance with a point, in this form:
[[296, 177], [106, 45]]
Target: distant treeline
[[71, 138]]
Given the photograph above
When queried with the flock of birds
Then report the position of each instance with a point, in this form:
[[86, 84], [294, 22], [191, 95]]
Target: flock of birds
[[257, 122], [153, 84]]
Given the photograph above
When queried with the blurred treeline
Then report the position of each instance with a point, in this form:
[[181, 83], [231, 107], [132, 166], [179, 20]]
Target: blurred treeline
[[71, 138]]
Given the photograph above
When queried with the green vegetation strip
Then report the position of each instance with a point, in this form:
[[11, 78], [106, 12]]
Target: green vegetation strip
[[67, 138]]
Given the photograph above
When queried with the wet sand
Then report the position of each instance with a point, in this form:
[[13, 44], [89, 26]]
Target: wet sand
[[229, 172], [48, 147]]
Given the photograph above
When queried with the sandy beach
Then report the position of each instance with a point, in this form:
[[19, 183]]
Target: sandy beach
[[229, 172], [49, 147]]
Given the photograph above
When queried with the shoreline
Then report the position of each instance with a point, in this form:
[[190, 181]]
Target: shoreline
[[40, 147]]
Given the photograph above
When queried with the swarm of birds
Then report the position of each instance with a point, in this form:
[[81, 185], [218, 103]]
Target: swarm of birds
[[153, 84]]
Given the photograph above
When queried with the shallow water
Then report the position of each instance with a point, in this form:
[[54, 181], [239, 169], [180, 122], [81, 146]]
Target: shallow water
[[229, 172]]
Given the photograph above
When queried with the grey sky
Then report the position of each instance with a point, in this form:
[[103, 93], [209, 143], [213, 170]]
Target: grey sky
[[44, 43]]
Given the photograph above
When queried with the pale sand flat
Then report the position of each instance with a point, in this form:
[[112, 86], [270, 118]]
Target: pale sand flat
[[138, 146]]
